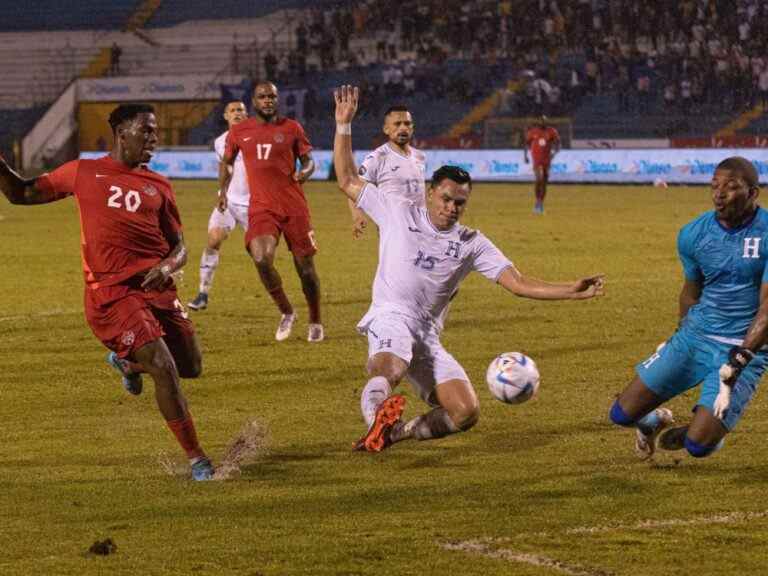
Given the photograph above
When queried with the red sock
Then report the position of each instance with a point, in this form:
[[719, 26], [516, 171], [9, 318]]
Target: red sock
[[281, 300], [184, 430]]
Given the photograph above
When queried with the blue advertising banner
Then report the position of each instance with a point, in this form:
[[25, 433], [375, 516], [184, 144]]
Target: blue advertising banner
[[673, 166]]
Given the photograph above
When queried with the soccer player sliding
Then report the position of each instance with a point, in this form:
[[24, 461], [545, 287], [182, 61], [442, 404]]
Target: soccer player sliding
[[424, 253], [132, 243], [723, 324]]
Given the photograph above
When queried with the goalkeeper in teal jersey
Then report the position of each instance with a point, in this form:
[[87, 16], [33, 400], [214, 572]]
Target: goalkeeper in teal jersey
[[723, 324]]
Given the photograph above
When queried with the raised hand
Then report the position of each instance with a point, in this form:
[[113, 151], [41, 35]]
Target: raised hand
[[346, 98]]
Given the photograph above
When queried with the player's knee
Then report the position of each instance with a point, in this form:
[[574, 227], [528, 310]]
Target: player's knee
[[388, 369], [466, 415], [619, 417], [191, 369], [701, 450]]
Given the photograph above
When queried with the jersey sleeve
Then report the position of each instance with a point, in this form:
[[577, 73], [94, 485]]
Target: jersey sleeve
[[685, 250], [528, 137], [301, 145], [555, 136], [219, 146], [374, 203], [60, 183], [231, 149], [369, 169], [488, 259], [170, 221]]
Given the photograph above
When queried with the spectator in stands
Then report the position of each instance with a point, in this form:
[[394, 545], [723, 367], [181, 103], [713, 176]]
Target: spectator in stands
[[270, 65], [114, 59]]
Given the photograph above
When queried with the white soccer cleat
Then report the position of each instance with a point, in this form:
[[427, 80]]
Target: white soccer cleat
[[315, 333], [285, 327], [645, 444]]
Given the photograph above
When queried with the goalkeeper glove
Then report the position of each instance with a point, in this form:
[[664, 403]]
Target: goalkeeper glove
[[738, 358]]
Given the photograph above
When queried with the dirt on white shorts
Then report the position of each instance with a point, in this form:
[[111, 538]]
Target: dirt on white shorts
[[234, 215], [417, 343]]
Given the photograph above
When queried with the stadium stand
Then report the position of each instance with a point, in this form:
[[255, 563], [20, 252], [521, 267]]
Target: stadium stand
[[685, 68], [47, 15]]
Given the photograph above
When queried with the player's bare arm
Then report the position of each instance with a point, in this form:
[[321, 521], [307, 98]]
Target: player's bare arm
[[350, 183], [158, 275], [307, 168], [20, 190], [226, 168], [527, 287], [359, 220], [689, 296]]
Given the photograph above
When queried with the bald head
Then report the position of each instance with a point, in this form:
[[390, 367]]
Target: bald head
[[265, 99]]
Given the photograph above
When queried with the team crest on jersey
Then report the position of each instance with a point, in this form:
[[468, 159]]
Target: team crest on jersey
[[279, 137], [128, 338], [361, 171], [149, 190]]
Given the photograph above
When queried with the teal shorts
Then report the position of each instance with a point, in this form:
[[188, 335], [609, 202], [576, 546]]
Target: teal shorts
[[690, 359]]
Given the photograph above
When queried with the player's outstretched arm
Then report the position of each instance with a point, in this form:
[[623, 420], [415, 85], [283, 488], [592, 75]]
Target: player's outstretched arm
[[513, 281], [159, 275], [20, 190], [350, 183]]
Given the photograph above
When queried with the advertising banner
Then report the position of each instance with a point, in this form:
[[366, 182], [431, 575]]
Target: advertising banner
[[138, 88], [673, 166]]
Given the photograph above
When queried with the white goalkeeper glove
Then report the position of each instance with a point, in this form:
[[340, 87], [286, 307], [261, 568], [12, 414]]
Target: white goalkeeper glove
[[738, 358]]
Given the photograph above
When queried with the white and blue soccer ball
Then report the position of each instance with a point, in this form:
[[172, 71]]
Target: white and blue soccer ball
[[513, 377]]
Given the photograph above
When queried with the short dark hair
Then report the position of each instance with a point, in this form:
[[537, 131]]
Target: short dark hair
[[458, 175], [743, 168], [128, 112], [396, 108]]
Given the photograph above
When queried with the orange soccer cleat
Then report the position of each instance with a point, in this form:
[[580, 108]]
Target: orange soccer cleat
[[387, 417]]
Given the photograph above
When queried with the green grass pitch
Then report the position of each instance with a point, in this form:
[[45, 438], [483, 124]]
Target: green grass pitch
[[539, 489]]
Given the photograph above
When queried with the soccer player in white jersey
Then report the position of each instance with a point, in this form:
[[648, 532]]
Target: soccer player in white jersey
[[424, 253], [395, 167], [225, 216]]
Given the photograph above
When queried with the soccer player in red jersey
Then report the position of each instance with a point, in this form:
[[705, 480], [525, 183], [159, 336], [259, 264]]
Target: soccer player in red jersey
[[131, 241], [544, 142], [271, 145]]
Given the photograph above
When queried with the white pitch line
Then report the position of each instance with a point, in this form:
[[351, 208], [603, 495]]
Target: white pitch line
[[46, 314], [481, 548], [729, 518]]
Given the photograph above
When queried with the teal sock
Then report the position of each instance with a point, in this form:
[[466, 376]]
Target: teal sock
[[648, 423]]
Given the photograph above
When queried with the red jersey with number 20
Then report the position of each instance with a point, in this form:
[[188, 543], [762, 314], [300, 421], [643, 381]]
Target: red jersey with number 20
[[541, 140], [270, 151], [126, 216]]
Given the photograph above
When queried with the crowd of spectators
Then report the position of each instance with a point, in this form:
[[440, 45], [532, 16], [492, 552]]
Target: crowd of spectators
[[682, 56]]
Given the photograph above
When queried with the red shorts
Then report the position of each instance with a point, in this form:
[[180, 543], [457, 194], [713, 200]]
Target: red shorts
[[296, 228], [542, 163], [125, 318]]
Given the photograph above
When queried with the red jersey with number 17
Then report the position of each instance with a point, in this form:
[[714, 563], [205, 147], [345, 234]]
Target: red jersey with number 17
[[126, 216], [270, 151], [541, 140]]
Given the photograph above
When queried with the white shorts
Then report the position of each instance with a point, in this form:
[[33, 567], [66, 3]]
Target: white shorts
[[234, 214], [418, 344]]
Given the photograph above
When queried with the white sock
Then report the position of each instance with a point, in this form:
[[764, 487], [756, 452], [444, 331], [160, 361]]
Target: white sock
[[209, 261], [434, 424], [375, 392]]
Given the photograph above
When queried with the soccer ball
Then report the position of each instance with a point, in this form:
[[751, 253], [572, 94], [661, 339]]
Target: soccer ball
[[513, 377]]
